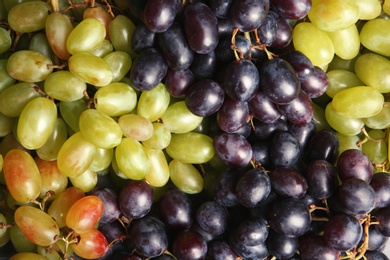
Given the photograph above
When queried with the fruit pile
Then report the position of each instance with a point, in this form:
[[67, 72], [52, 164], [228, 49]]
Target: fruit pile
[[200, 129]]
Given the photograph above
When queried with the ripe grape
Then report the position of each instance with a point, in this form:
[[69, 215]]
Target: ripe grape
[[58, 27], [357, 204], [212, 217], [158, 16], [189, 245], [287, 182], [284, 149], [249, 15], [135, 199], [353, 163]]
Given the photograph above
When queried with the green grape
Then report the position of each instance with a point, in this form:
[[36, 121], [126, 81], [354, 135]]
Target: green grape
[[119, 175], [27, 255], [100, 129], [5, 79], [14, 204], [21, 175], [86, 181], [40, 44], [76, 155], [4, 231], [8, 143], [375, 36], [346, 49], [63, 86], [115, 99], [386, 7], [121, 31], [58, 27], [36, 122], [21, 243], [369, 9], [152, 104], [49, 253], [158, 174], [49, 151], [120, 64], [6, 125], [86, 36], [29, 16], [340, 64], [380, 120], [179, 119], [340, 79], [348, 142], [161, 137], [37, 225], [29, 66], [91, 69], [185, 177], [314, 43], [136, 126], [376, 146], [358, 102], [319, 118], [102, 159], [132, 159], [333, 15], [342, 124], [5, 40], [371, 68], [103, 49], [71, 111], [191, 147]]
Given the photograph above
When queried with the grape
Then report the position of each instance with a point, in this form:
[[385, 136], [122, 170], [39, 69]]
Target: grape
[[112, 230], [178, 82], [259, 251], [321, 179], [354, 163], [86, 181], [281, 246], [284, 149], [346, 49], [27, 255], [314, 247], [375, 239], [62, 85], [109, 198], [379, 121], [300, 63], [6, 40], [248, 15], [224, 52], [91, 244], [373, 36], [369, 9], [100, 13], [284, 33], [103, 49], [6, 79], [121, 30], [324, 145], [142, 38], [221, 8], [379, 183], [377, 255], [342, 124], [340, 79], [220, 250], [262, 108], [71, 111], [20, 242], [251, 232], [120, 63], [204, 66], [382, 216], [376, 151], [179, 119], [299, 111], [212, 217], [232, 115], [225, 187], [357, 204], [159, 15], [158, 174], [161, 137], [287, 182], [191, 183], [189, 245]]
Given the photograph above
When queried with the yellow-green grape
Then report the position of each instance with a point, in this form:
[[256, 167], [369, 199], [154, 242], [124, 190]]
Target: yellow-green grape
[[158, 174], [29, 66], [136, 127], [348, 142], [342, 124], [376, 146], [5, 79], [27, 255], [86, 181], [319, 118], [4, 232], [341, 79], [346, 49], [40, 44], [37, 225], [91, 69], [86, 36], [179, 119], [333, 15], [191, 147], [314, 43], [63, 86], [380, 120], [14, 204], [120, 64], [76, 155], [29, 16], [6, 125], [118, 172], [371, 68], [161, 137], [115, 99], [50, 254], [340, 64], [152, 104], [358, 102], [36, 122], [100, 129], [121, 31], [375, 36], [102, 159], [58, 27], [103, 49], [132, 159], [5, 40], [369, 9], [386, 6], [22, 245], [71, 111], [185, 177]]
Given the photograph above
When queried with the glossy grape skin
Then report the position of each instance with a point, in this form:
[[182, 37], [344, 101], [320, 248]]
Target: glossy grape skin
[[220, 250], [357, 204], [259, 251], [27, 255], [324, 145], [299, 111], [158, 15], [224, 188], [200, 27], [300, 63], [152, 104], [191, 183], [288, 182], [92, 244], [212, 217], [376, 240], [160, 138], [375, 255], [120, 63], [281, 246], [142, 38], [248, 15], [135, 199], [224, 52], [204, 66], [121, 30], [6, 40], [321, 178], [62, 85], [189, 245], [251, 232], [262, 108], [291, 9], [110, 200], [353, 163], [232, 115], [382, 216], [314, 247], [85, 181], [284, 149], [380, 183], [374, 29], [178, 82]]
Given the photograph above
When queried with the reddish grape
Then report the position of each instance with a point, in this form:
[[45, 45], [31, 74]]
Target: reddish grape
[[189, 245], [90, 244]]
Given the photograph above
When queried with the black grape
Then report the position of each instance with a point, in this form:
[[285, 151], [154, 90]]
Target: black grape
[[113, 230], [353, 163], [321, 177], [283, 33], [267, 30], [265, 131], [382, 215], [376, 240], [291, 9], [262, 108], [375, 255], [110, 200], [284, 149], [248, 15], [260, 153], [220, 8], [158, 15], [324, 145], [189, 245], [299, 111], [204, 66], [224, 51], [380, 182], [225, 27], [224, 191], [280, 246], [212, 217], [232, 115], [313, 247], [251, 232], [315, 84], [259, 251], [220, 250], [301, 64], [178, 82], [357, 196], [142, 38], [287, 182], [303, 133]]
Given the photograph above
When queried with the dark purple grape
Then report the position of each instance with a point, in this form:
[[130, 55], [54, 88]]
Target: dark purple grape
[[291, 9], [289, 217], [287, 182], [283, 33], [245, 130], [142, 38], [248, 15], [110, 200], [262, 108], [380, 182], [149, 236], [324, 145], [178, 82], [279, 81], [265, 131], [267, 30], [189, 245], [253, 187], [375, 255], [204, 66], [212, 217], [113, 230], [313, 247], [261, 209], [382, 215], [298, 111], [225, 52], [174, 48], [220, 250], [376, 240], [280, 246], [158, 15], [353, 163], [225, 187], [233, 149], [260, 153], [251, 232], [342, 232], [357, 196], [201, 28], [175, 210], [284, 150], [207, 236], [225, 27], [220, 8], [301, 64], [315, 84], [321, 178], [205, 97], [136, 199], [148, 70], [303, 133], [232, 115], [259, 251]]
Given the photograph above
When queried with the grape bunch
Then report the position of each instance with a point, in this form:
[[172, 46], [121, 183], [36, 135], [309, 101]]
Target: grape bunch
[[167, 129]]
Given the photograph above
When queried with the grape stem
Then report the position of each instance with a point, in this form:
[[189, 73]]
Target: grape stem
[[367, 137], [55, 5], [237, 53]]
